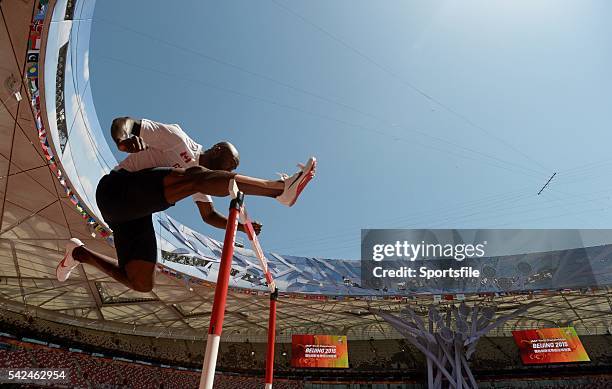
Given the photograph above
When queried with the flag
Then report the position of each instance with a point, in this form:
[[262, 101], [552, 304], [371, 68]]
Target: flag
[[35, 100], [33, 84], [36, 26], [33, 56], [38, 122], [40, 15], [34, 41]]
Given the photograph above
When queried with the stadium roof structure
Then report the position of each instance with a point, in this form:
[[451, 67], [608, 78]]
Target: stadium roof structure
[[52, 152]]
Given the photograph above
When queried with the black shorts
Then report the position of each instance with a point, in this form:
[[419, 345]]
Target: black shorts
[[127, 200]]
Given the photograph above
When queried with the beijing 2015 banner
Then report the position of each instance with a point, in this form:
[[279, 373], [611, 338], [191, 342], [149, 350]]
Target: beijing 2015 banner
[[550, 345], [320, 351]]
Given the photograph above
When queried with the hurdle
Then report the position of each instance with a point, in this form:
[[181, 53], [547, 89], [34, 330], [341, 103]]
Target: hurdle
[[263, 262], [237, 212]]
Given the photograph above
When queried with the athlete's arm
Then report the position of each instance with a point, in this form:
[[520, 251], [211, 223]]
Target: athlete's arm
[[126, 134], [211, 216]]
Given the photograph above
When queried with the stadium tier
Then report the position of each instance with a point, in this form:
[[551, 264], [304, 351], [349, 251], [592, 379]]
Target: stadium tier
[[102, 371], [97, 358]]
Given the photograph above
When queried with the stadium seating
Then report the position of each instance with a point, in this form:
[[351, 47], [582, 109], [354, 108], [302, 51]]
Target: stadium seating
[[241, 361], [15, 358], [87, 371], [50, 358]]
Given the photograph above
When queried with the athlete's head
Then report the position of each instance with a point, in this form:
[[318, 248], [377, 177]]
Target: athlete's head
[[222, 156]]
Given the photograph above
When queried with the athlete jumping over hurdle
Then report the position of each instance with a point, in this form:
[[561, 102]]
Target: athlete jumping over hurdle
[[164, 166]]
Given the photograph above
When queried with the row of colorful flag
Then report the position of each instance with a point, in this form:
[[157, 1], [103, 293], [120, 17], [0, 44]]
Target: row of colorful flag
[[436, 298], [33, 57]]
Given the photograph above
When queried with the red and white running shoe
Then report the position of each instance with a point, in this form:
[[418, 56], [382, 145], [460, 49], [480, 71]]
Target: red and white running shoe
[[295, 184], [68, 264]]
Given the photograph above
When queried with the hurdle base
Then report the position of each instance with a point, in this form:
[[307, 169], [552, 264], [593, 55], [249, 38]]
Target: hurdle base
[[210, 361]]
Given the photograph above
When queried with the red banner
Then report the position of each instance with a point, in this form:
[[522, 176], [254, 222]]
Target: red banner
[[319, 351], [550, 345]]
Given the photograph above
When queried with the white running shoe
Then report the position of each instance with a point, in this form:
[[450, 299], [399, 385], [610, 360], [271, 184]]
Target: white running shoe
[[68, 264], [296, 183]]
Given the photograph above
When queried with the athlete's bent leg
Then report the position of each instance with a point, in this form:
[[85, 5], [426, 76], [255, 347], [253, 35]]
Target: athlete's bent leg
[[141, 275], [105, 264], [137, 275]]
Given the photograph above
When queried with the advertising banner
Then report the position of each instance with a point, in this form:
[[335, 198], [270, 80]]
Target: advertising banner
[[550, 345], [319, 351]]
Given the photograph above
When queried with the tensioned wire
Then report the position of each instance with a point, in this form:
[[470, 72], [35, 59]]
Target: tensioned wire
[[315, 95], [343, 42], [310, 93], [509, 210], [551, 216], [21, 69], [416, 217], [256, 74], [453, 213], [423, 222], [190, 81], [335, 248], [405, 82]]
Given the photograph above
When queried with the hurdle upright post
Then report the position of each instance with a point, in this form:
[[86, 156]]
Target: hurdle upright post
[[271, 340], [250, 231], [218, 310]]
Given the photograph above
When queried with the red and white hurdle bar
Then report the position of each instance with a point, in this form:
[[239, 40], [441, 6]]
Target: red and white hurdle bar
[[236, 211]]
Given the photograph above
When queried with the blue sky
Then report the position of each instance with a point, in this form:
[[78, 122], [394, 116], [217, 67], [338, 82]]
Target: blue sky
[[422, 114]]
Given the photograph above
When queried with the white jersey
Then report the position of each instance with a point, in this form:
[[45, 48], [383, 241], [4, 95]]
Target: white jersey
[[169, 146]]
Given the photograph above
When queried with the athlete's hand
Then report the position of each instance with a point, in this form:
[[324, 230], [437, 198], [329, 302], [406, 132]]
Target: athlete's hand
[[256, 227], [133, 144]]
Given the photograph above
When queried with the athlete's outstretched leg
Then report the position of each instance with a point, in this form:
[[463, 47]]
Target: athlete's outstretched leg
[[181, 183]]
